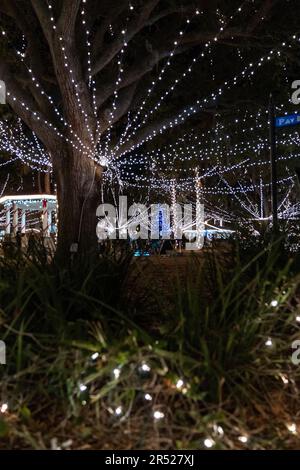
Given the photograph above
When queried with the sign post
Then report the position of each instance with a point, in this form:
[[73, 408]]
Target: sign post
[[278, 122], [273, 124], [290, 120]]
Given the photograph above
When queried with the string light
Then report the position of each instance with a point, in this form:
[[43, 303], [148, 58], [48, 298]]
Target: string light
[[118, 411], [158, 415], [269, 342], [4, 408], [145, 367], [292, 427], [284, 379], [178, 80], [154, 83], [209, 443], [116, 373]]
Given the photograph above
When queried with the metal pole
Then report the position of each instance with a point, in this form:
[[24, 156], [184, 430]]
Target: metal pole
[[45, 219], [23, 221], [8, 220], [15, 223], [273, 164]]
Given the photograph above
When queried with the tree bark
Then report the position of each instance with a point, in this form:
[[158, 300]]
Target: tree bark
[[47, 185], [78, 195], [39, 183]]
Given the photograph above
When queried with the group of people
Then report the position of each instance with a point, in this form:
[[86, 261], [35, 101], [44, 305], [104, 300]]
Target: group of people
[[159, 247], [29, 243], [147, 247]]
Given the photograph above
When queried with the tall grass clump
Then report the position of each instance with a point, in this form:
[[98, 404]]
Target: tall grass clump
[[217, 364]]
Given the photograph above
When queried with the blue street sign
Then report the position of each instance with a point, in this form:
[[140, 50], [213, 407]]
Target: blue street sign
[[291, 120]]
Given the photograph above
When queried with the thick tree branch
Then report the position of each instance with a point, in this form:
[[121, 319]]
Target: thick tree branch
[[134, 27], [261, 14], [73, 87], [170, 11], [67, 20], [25, 107], [43, 16], [159, 127], [114, 12], [140, 69], [123, 105], [136, 72]]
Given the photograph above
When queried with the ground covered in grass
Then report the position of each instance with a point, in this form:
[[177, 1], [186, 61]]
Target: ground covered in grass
[[98, 359]]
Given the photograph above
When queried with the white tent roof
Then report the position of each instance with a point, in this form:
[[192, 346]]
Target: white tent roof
[[30, 201]]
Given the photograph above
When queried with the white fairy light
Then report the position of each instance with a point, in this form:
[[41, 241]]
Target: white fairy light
[[243, 439], [116, 373], [4, 408], [284, 379], [14, 141], [274, 303], [95, 356], [185, 183], [298, 318], [145, 367], [218, 430], [151, 89], [179, 384], [82, 387], [269, 342], [175, 83], [148, 397], [118, 410], [200, 105], [292, 427], [208, 442], [158, 415]]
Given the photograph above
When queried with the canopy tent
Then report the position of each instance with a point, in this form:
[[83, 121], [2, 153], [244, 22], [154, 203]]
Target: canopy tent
[[21, 205]]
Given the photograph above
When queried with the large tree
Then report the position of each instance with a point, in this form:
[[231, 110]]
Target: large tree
[[83, 66]]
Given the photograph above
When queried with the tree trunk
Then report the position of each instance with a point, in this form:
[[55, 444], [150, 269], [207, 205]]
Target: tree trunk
[[39, 183], [47, 185], [78, 195]]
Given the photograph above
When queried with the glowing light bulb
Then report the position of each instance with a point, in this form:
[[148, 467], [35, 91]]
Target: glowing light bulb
[[269, 342], [118, 411], [243, 439], [274, 303], [292, 428], [148, 397], [82, 387], [209, 443], [179, 384], [116, 373], [284, 379], [94, 356], [4, 407], [145, 368], [158, 415]]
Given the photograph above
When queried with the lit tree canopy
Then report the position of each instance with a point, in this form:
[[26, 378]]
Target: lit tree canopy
[[95, 80]]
